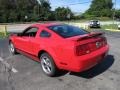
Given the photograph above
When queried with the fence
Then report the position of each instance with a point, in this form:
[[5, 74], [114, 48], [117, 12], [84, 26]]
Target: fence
[[3, 30], [81, 25]]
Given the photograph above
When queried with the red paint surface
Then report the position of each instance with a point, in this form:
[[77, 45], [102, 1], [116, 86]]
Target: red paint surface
[[64, 51]]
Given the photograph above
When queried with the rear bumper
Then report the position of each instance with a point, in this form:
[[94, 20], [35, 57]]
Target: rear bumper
[[95, 26], [85, 62]]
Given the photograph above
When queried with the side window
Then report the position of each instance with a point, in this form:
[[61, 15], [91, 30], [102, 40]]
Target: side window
[[31, 32], [44, 34]]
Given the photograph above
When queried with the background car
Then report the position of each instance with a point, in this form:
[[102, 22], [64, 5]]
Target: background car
[[119, 26], [94, 24]]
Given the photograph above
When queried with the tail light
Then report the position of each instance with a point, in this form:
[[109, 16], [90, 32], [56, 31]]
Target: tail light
[[104, 41], [82, 50], [90, 47]]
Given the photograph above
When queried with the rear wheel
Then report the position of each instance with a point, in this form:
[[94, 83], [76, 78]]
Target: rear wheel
[[12, 48], [48, 65]]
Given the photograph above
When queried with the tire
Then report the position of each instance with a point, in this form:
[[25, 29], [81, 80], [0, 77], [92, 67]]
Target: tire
[[48, 66], [12, 48]]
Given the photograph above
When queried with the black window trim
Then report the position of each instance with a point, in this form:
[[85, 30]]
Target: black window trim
[[28, 28]]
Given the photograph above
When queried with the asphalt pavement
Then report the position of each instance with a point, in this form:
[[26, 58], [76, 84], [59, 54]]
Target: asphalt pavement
[[105, 76]]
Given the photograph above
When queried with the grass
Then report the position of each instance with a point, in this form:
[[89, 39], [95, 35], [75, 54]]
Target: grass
[[111, 27], [2, 35], [88, 19]]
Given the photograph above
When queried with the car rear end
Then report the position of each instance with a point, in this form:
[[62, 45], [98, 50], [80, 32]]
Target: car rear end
[[89, 50], [94, 24], [80, 49]]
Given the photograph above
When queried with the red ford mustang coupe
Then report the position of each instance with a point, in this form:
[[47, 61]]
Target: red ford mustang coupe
[[60, 47]]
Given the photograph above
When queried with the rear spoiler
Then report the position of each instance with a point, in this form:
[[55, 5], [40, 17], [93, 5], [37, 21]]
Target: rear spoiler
[[90, 35]]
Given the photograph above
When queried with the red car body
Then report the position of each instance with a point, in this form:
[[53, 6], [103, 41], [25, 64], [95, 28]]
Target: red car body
[[77, 53]]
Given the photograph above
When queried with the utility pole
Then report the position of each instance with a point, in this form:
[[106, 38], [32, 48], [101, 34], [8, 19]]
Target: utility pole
[[39, 3], [38, 10], [114, 12]]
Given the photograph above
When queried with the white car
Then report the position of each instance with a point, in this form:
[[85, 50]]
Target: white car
[[94, 24], [119, 26]]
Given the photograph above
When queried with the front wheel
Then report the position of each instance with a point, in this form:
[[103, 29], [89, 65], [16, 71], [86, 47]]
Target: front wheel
[[12, 48], [48, 65]]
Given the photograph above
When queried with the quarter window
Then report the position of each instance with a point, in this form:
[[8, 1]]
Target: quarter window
[[45, 34]]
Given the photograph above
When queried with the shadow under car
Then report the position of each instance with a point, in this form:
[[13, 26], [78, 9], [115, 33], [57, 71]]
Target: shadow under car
[[98, 69]]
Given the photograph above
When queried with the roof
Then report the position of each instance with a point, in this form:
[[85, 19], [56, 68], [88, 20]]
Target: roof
[[47, 24]]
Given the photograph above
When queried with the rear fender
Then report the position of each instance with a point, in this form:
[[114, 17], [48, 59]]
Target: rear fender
[[53, 55]]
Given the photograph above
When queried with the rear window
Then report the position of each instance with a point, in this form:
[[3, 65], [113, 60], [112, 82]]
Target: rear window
[[67, 30], [94, 21]]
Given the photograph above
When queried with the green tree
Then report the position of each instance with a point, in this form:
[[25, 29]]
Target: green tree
[[62, 13], [44, 10], [26, 8], [16, 10], [100, 8], [5, 7], [117, 13]]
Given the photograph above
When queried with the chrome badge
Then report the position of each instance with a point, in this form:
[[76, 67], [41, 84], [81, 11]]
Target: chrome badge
[[98, 44]]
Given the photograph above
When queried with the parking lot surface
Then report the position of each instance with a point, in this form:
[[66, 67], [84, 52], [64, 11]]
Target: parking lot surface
[[105, 76]]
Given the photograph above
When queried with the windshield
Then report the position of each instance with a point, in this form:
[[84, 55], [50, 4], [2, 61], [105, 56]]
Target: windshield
[[94, 22], [67, 30]]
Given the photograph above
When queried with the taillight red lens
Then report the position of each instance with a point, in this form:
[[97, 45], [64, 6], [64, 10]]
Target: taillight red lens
[[90, 47], [104, 41], [82, 49]]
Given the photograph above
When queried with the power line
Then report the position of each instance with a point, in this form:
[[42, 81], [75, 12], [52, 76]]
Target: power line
[[73, 4]]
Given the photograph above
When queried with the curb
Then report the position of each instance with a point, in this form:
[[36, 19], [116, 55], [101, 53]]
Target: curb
[[113, 30]]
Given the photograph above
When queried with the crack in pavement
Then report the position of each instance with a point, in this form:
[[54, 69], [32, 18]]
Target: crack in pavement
[[10, 67]]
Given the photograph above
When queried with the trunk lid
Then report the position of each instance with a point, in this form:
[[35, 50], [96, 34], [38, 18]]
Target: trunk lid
[[88, 43]]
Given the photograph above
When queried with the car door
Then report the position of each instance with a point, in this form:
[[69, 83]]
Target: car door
[[25, 39]]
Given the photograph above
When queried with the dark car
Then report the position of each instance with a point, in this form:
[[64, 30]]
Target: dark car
[[94, 24]]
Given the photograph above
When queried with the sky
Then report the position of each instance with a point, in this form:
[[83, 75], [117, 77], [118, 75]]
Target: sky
[[78, 7]]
